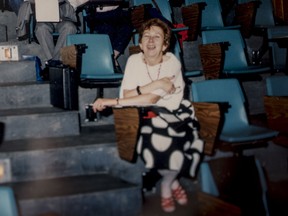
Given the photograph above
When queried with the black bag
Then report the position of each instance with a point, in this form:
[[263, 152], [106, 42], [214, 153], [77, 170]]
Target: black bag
[[63, 87]]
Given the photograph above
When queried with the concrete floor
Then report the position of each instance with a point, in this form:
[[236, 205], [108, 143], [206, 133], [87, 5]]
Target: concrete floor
[[277, 195]]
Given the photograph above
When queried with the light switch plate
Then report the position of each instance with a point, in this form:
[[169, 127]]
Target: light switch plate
[[9, 53], [5, 170]]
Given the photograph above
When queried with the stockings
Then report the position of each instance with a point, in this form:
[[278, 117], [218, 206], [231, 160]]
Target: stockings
[[168, 182]]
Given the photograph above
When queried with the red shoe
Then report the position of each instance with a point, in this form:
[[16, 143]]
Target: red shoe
[[167, 204], [180, 195]]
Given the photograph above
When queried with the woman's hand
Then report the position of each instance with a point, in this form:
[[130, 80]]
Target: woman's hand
[[101, 103], [167, 84]]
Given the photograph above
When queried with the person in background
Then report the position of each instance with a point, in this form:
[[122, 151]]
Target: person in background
[[44, 31], [12, 5], [169, 142], [114, 21]]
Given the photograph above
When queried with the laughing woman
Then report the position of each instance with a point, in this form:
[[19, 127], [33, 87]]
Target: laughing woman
[[169, 141]]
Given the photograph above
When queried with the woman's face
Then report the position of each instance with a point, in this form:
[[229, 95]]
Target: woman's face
[[152, 42]]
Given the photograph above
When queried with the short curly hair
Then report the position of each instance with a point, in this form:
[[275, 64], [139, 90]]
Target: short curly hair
[[159, 23]]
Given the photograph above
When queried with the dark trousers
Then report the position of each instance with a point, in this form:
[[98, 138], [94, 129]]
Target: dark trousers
[[116, 24]]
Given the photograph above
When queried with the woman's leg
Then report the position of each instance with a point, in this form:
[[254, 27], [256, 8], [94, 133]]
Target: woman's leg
[[167, 201], [179, 193]]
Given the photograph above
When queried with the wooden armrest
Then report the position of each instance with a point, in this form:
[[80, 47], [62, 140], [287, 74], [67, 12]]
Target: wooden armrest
[[208, 115], [277, 112], [245, 16], [191, 16], [212, 59], [127, 121]]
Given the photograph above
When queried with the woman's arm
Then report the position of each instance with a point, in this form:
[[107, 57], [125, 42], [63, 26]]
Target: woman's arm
[[142, 96], [166, 84], [101, 103]]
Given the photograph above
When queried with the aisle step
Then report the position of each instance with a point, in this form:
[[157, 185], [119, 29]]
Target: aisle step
[[39, 122], [87, 195]]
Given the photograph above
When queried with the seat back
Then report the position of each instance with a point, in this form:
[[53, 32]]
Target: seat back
[[276, 106], [228, 92], [212, 13], [177, 51], [277, 85], [8, 205], [264, 14], [98, 57], [164, 7], [235, 56]]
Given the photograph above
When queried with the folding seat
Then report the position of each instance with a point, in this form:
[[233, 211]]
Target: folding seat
[[235, 62], [8, 204], [97, 66], [227, 177]]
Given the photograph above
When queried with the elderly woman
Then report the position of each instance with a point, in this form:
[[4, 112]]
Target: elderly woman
[[169, 141]]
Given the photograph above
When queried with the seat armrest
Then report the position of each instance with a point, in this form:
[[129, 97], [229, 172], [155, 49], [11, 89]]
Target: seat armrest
[[191, 16], [276, 109], [127, 124], [209, 116], [212, 59]]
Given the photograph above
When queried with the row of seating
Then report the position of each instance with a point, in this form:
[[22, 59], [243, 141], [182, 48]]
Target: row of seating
[[210, 16], [248, 17]]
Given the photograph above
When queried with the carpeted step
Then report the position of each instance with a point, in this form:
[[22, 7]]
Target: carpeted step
[[39, 122], [89, 195], [93, 151]]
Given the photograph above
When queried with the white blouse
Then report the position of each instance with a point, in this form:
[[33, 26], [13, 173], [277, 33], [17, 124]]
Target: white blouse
[[137, 74]]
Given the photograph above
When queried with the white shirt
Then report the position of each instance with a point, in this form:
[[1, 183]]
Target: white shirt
[[106, 8], [136, 74]]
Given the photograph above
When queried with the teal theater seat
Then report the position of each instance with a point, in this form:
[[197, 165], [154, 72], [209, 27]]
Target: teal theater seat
[[237, 133], [235, 62], [211, 15], [8, 205], [267, 27], [97, 66]]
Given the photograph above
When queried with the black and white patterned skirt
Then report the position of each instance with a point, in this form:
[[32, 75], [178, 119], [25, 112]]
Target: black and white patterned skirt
[[171, 141]]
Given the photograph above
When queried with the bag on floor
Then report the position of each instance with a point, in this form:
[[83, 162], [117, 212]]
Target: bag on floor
[[72, 55]]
